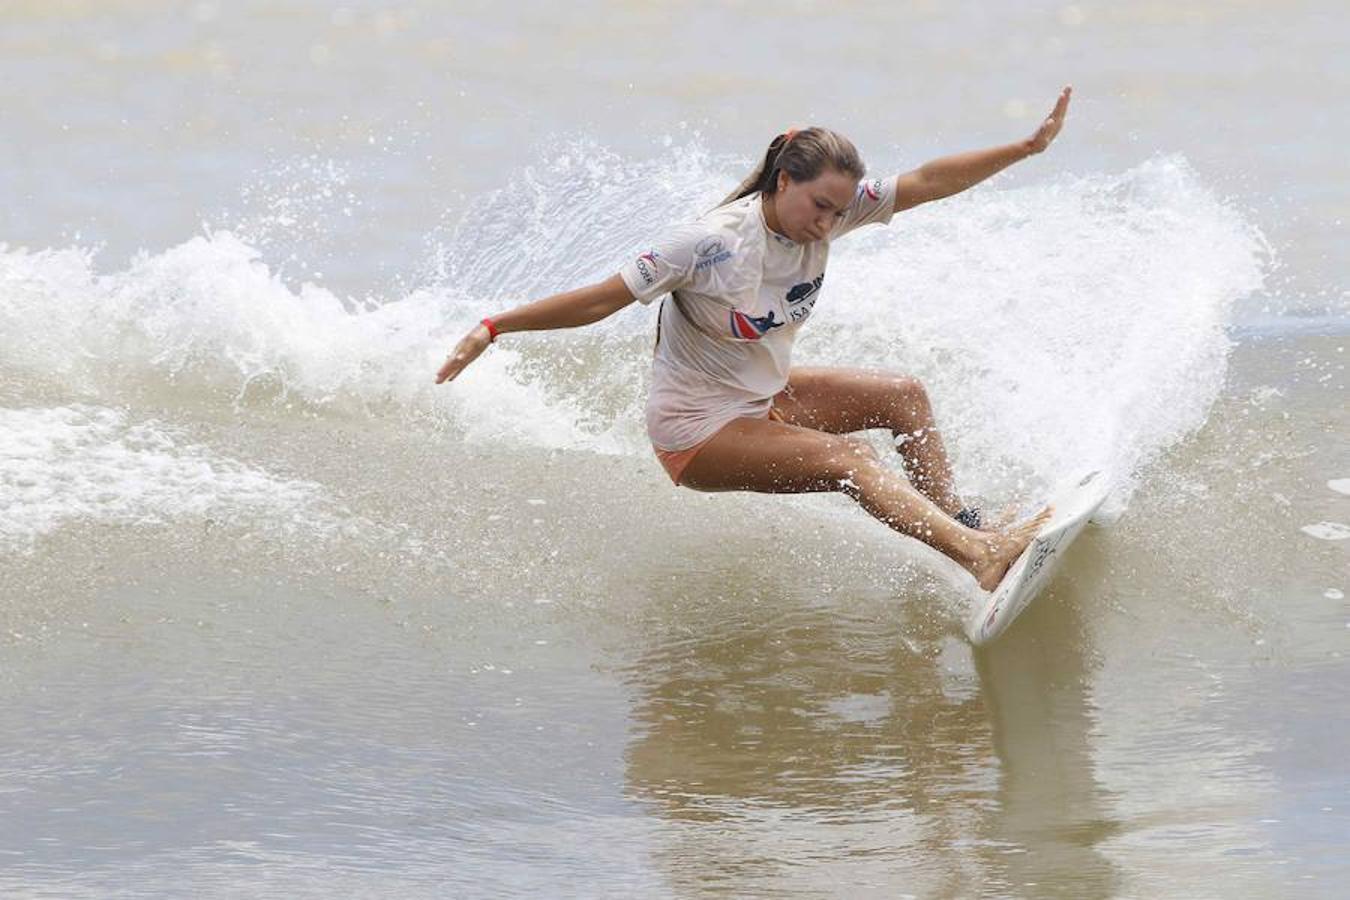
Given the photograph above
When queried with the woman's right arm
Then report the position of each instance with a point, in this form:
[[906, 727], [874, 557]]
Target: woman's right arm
[[567, 310], [953, 174]]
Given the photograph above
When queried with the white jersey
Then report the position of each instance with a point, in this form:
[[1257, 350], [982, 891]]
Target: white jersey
[[739, 294]]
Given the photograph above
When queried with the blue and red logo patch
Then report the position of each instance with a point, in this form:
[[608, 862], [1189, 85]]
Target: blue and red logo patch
[[751, 328]]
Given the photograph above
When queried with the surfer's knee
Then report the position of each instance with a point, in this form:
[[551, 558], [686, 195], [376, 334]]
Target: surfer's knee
[[856, 448], [845, 456], [913, 409], [912, 394]]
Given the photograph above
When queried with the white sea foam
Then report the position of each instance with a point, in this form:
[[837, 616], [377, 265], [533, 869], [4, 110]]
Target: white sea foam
[[1076, 322], [1340, 485], [1327, 531], [209, 314], [92, 465]]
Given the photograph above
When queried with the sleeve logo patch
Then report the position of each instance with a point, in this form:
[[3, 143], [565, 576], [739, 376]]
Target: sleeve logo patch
[[647, 267]]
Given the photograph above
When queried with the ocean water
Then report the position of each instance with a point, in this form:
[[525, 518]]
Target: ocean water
[[281, 617]]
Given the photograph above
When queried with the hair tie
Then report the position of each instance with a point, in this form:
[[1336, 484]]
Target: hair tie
[[789, 135]]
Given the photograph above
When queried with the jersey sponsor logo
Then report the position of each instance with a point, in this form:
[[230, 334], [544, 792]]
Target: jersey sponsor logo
[[801, 291], [647, 268], [709, 246], [751, 328], [802, 298], [710, 251], [712, 261]]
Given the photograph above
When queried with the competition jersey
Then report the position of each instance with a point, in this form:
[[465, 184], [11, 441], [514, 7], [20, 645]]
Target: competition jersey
[[739, 293]]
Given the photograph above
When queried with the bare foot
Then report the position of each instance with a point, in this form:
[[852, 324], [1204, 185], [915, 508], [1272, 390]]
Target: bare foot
[[1002, 549], [1002, 521]]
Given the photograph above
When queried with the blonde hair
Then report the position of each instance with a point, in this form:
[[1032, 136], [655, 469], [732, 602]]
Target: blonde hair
[[802, 155]]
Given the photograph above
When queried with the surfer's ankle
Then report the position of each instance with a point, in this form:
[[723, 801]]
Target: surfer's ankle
[[978, 551], [1001, 549], [970, 517]]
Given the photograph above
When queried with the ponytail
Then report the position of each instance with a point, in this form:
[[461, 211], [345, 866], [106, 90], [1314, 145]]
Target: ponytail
[[803, 155]]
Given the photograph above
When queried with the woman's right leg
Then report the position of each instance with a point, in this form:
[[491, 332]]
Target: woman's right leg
[[774, 457]]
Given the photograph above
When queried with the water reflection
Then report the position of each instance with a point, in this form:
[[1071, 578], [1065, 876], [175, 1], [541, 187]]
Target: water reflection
[[789, 739], [1051, 813]]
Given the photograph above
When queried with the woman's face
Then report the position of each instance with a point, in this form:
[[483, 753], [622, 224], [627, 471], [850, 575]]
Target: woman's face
[[807, 210]]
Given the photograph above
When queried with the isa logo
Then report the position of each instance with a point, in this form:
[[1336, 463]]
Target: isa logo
[[751, 328]]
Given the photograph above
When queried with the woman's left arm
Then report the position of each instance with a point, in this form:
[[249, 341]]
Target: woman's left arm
[[953, 174]]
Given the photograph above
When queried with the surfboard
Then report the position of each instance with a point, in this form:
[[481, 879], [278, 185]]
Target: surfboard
[[1074, 501]]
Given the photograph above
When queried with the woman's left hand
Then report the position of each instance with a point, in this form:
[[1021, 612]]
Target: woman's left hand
[[1051, 126]]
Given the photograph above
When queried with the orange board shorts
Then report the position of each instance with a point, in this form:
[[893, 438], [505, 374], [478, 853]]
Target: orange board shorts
[[676, 461]]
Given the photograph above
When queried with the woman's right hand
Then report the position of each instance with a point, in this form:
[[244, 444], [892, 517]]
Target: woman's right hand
[[465, 352], [569, 310]]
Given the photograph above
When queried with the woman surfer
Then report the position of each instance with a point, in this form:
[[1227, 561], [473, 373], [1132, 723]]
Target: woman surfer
[[725, 410]]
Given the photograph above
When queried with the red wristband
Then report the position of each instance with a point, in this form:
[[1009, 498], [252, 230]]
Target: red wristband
[[492, 330]]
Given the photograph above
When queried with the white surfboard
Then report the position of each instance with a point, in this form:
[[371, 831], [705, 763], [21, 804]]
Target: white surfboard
[[1074, 502]]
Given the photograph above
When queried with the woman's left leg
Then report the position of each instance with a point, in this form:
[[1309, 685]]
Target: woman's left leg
[[841, 401]]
